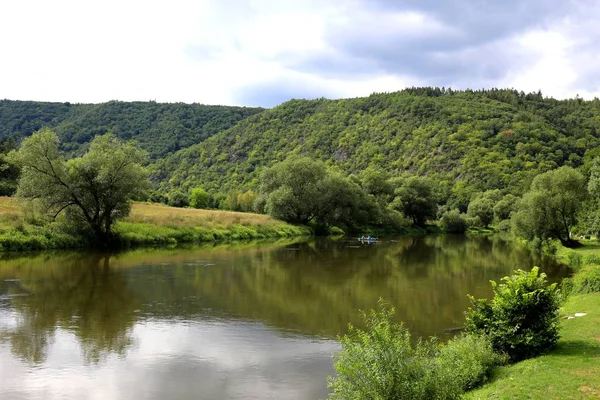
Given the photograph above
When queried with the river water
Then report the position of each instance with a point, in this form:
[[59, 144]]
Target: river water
[[234, 321]]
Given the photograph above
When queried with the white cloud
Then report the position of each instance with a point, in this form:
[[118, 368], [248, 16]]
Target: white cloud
[[219, 52]]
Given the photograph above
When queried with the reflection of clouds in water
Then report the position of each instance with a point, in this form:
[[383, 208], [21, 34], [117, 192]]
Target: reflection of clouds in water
[[189, 360]]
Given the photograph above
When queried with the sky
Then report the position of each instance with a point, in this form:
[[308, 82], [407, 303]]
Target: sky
[[264, 52]]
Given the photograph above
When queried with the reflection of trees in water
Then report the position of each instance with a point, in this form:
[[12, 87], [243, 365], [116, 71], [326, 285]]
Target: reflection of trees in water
[[315, 287], [79, 294]]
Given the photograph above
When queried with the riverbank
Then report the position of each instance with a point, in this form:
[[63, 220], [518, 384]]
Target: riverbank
[[572, 369], [147, 225]]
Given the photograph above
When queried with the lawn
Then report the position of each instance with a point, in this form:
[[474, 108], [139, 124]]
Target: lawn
[[572, 370]]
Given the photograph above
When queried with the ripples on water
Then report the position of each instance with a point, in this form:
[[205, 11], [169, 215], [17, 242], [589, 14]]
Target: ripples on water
[[233, 321]]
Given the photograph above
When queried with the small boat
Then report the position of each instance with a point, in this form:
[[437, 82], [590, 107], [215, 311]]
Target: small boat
[[368, 239]]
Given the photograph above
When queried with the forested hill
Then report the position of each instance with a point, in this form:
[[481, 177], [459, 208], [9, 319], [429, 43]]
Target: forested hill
[[467, 141], [159, 128]]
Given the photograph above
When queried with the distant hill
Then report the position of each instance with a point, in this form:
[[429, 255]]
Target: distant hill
[[159, 128], [467, 141]]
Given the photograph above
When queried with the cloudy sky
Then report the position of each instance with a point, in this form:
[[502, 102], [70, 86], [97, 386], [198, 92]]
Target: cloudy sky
[[263, 52]]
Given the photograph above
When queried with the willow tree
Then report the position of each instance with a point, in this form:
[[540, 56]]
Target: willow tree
[[93, 190], [551, 206]]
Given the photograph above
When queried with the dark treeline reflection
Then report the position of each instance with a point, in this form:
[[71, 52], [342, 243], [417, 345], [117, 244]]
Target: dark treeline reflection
[[311, 288]]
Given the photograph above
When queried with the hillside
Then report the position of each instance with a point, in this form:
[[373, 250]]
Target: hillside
[[159, 128], [467, 141]]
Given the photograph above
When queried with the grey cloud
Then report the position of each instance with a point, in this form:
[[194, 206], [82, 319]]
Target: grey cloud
[[464, 41]]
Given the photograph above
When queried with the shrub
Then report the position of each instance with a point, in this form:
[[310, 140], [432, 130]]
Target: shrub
[[470, 359], [453, 222], [587, 280], [178, 199], [199, 198], [574, 260], [592, 259], [381, 363], [521, 320]]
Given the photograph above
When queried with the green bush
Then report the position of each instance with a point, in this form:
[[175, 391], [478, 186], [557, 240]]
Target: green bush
[[453, 222], [470, 359], [587, 280], [381, 363], [199, 198], [178, 199], [591, 259], [574, 260], [521, 320]]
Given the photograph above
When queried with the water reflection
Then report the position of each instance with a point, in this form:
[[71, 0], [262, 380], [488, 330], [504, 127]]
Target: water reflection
[[234, 321]]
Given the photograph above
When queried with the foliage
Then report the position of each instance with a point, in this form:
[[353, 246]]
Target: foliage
[[465, 141], [416, 199], [301, 190], [482, 208], [471, 359], [157, 128], [521, 320], [453, 222], [199, 198], [95, 190], [587, 280], [381, 363], [570, 371], [505, 207], [551, 206], [178, 199], [9, 172]]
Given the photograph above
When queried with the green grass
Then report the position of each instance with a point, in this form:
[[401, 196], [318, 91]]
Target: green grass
[[572, 370]]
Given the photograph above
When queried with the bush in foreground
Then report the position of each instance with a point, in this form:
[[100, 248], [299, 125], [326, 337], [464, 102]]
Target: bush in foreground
[[521, 320], [380, 362]]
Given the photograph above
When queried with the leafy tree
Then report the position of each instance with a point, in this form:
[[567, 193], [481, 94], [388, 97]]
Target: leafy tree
[[416, 199], [521, 319], [302, 190], [178, 199], [94, 190], [199, 198], [453, 222], [504, 208], [551, 206], [9, 173], [483, 208]]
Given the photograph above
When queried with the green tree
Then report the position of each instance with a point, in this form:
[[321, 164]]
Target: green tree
[[302, 190], [94, 190], [483, 208], [551, 207], [504, 208], [199, 198], [415, 198], [9, 173]]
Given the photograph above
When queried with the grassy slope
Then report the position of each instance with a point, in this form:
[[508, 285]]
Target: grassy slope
[[148, 224], [571, 371]]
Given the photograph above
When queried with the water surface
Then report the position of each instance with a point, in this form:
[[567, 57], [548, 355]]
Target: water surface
[[243, 321]]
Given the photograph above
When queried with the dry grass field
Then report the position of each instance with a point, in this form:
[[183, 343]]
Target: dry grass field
[[186, 217], [148, 224]]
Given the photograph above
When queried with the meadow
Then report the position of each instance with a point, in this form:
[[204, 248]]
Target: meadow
[[148, 224]]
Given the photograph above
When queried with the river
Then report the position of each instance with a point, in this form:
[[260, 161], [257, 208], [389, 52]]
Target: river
[[231, 321]]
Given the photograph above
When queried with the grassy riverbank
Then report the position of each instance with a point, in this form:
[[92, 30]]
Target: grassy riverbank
[[148, 224], [572, 369]]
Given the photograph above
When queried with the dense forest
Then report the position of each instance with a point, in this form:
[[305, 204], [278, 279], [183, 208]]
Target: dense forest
[[390, 159], [467, 141], [159, 128]]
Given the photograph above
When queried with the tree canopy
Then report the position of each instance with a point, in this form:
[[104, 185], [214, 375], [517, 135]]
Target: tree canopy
[[93, 190], [551, 206]]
